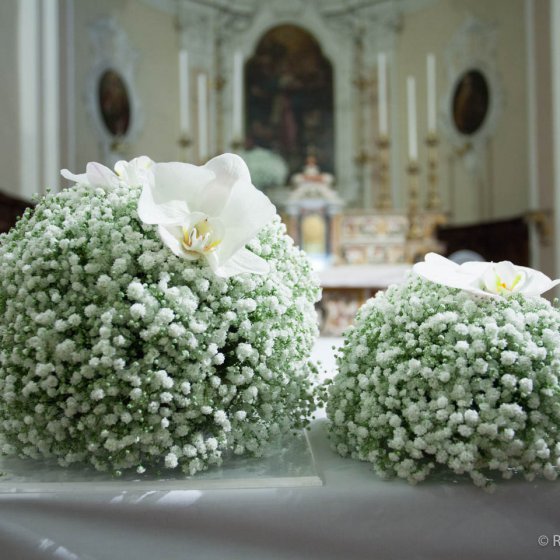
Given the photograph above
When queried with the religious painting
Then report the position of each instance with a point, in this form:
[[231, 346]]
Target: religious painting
[[289, 98], [471, 100], [114, 103]]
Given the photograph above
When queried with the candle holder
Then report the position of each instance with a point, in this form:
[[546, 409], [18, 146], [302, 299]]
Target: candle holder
[[414, 229], [384, 199], [237, 144], [185, 143], [118, 146], [433, 201], [362, 158]]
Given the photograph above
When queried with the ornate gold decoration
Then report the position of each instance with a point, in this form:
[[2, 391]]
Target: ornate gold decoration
[[414, 228], [433, 201], [384, 199], [543, 222], [185, 142], [237, 144]]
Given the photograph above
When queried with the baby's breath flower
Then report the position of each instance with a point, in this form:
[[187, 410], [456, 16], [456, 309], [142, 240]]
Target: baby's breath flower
[[115, 352], [430, 375]]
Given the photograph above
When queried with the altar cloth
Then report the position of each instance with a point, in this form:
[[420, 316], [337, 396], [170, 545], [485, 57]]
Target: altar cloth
[[354, 515]]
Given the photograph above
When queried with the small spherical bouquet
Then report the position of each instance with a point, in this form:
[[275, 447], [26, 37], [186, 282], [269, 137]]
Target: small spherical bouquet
[[458, 367], [156, 316], [268, 169]]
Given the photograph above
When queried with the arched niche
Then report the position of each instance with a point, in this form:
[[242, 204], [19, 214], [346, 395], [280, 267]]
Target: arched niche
[[289, 100]]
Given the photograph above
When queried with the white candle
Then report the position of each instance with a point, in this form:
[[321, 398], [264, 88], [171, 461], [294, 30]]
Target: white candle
[[237, 95], [202, 118], [382, 93], [184, 93], [412, 133], [431, 76]]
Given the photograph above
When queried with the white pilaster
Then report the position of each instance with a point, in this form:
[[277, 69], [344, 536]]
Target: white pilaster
[[555, 78], [70, 86], [532, 128], [28, 38], [50, 99]]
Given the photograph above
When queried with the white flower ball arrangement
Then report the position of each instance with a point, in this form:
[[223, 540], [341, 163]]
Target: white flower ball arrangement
[[268, 169], [457, 368], [156, 316]]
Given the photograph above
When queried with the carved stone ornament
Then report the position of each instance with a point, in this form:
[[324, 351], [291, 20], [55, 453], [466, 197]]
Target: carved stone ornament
[[111, 94]]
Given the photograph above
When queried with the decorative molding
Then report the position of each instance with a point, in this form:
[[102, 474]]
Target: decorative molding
[[532, 130], [29, 120], [555, 63], [472, 48], [70, 67], [51, 94], [112, 51]]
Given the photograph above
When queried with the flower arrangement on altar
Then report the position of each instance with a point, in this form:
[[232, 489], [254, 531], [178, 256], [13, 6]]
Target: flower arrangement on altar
[[459, 368], [268, 169], [155, 316]]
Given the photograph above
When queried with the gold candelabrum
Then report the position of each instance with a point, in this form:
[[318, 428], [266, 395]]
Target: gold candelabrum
[[237, 144], [433, 201], [185, 143], [384, 199], [414, 227]]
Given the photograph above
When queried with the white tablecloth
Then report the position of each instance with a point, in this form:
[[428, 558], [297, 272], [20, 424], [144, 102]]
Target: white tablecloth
[[375, 276], [354, 515]]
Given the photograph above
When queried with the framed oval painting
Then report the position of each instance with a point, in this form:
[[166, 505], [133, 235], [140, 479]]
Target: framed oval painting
[[114, 103], [470, 102]]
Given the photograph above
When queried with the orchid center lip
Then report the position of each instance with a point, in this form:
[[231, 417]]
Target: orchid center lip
[[202, 237]]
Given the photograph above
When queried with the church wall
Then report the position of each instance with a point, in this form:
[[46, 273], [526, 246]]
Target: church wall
[[152, 33], [9, 113], [505, 162], [545, 164]]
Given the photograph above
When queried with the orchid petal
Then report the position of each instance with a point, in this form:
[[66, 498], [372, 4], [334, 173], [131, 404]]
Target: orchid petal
[[134, 172], [538, 283], [78, 179], [438, 260], [179, 181], [448, 276], [240, 262], [228, 170], [172, 236], [170, 212], [493, 280], [247, 212], [100, 176]]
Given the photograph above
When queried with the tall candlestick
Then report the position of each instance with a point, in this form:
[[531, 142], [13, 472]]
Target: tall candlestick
[[184, 93], [237, 95], [431, 76], [412, 132], [382, 92], [202, 117]]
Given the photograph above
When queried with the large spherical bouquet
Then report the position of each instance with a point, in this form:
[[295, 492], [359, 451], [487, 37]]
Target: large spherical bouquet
[[156, 316], [459, 367]]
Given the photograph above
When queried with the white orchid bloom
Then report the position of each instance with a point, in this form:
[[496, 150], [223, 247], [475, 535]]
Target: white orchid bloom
[[484, 279], [131, 173], [210, 212]]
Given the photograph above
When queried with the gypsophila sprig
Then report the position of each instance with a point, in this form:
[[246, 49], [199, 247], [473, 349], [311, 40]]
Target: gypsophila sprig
[[430, 375], [115, 352]]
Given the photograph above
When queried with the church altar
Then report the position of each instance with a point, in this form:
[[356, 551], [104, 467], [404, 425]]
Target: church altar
[[347, 287]]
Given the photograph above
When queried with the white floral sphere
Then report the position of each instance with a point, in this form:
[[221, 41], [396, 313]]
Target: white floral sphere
[[115, 352], [268, 169], [433, 376]]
